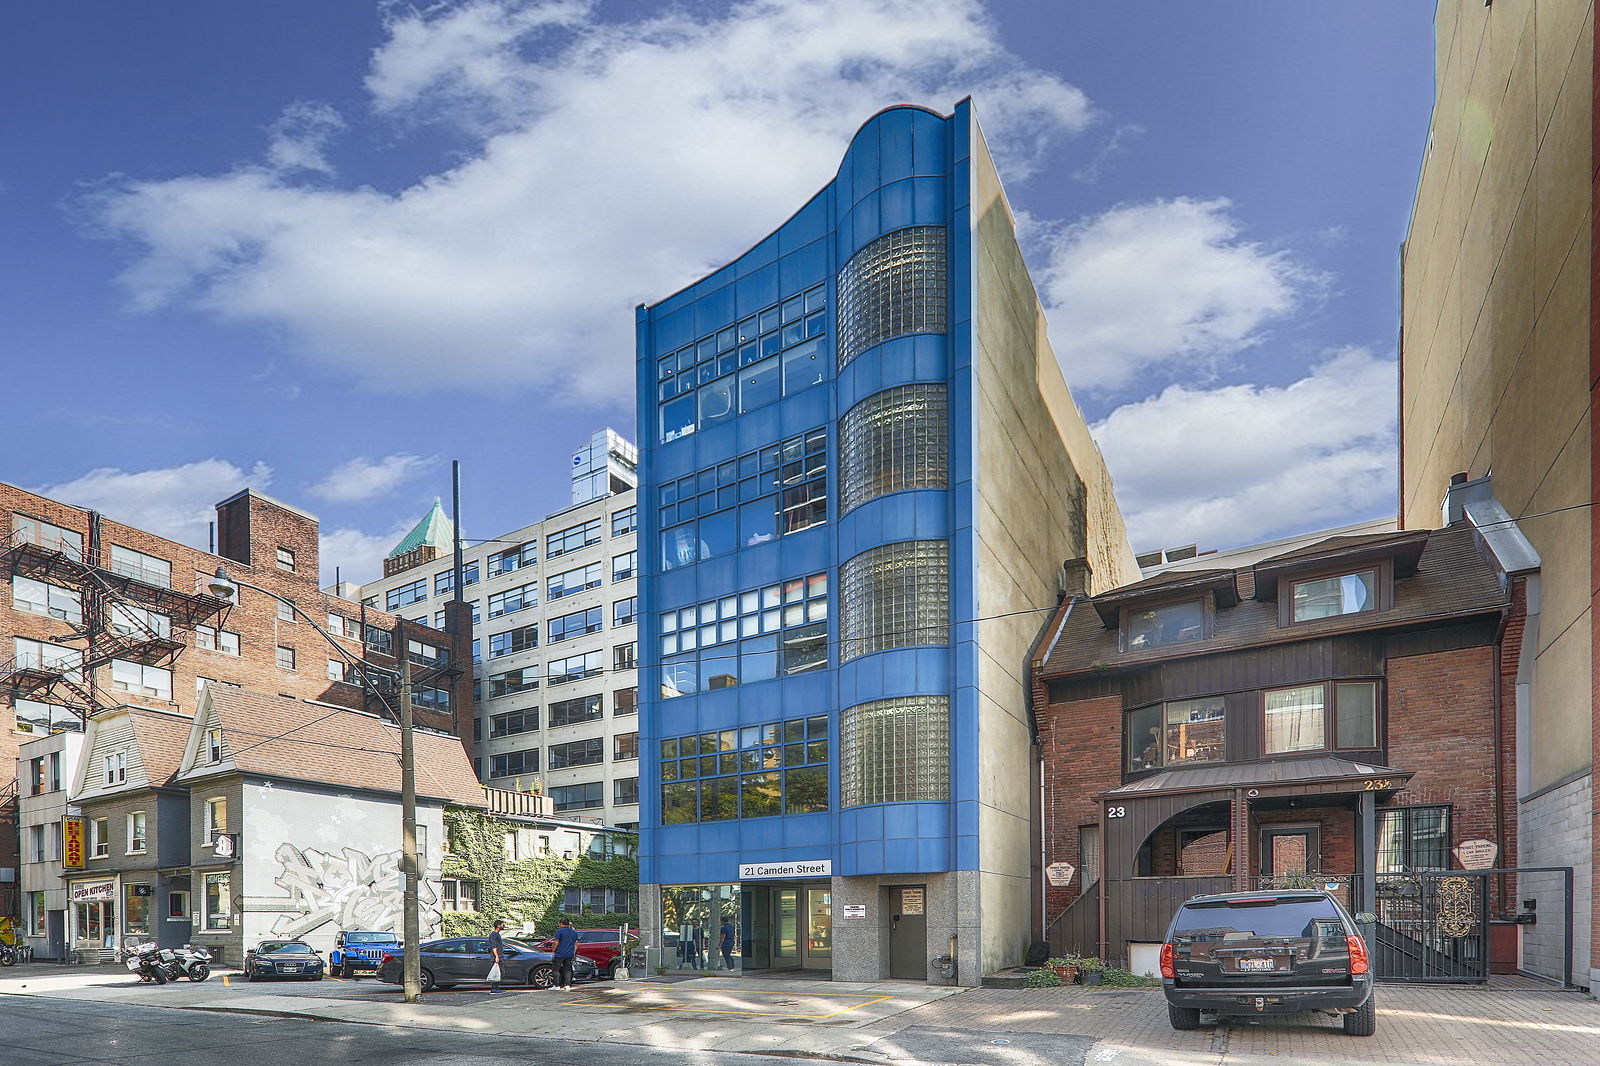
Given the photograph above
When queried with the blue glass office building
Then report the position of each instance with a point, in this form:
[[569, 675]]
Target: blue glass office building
[[861, 475]]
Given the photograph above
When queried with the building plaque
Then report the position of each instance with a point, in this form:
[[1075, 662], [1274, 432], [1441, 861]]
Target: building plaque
[[1477, 854], [1060, 874], [853, 910], [756, 871], [912, 901]]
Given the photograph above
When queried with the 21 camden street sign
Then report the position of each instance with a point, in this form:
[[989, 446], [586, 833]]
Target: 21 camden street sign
[[755, 871]]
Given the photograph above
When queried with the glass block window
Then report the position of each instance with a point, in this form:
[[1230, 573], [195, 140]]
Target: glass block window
[[896, 596], [757, 635], [897, 439], [893, 287], [744, 501], [895, 751], [754, 772]]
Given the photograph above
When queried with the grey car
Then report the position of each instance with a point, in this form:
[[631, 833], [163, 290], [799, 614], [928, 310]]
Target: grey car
[[466, 960]]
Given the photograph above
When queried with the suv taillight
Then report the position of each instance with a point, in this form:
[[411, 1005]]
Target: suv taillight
[[1358, 955], [1169, 967]]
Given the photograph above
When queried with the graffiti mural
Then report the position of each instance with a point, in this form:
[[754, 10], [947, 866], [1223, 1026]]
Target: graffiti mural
[[351, 890]]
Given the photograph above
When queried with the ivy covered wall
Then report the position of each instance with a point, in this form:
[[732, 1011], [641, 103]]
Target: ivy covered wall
[[526, 890]]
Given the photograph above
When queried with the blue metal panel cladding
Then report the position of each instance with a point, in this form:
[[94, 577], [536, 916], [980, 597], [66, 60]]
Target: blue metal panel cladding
[[900, 171]]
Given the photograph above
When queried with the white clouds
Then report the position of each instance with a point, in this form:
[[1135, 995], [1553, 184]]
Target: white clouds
[[362, 479], [299, 138], [614, 163], [1163, 284], [175, 502], [358, 555], [1229, 466]]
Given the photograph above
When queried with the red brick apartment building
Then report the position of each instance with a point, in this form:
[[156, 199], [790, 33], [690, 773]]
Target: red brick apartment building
[[1336, 712], [100, 615]]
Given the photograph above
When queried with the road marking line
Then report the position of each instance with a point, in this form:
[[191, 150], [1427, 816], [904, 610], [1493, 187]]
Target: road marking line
[[750, 1013]]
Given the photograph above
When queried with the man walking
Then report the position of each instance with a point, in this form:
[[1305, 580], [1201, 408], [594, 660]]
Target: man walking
[[497, 946], [725, 943], [566, 950]]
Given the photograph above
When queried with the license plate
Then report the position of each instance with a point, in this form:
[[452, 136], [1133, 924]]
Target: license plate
[[291, 967], [1256, 964]]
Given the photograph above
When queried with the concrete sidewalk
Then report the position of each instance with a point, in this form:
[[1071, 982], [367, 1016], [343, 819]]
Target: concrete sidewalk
[[907, 1022]]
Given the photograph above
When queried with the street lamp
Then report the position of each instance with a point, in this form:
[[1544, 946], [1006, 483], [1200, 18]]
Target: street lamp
[[225, 588]]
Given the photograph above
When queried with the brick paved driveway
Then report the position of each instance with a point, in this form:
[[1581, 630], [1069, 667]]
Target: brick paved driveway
[[1417, 1026]]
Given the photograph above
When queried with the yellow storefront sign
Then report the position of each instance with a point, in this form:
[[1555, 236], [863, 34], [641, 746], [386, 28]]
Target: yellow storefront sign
[[72, 843]]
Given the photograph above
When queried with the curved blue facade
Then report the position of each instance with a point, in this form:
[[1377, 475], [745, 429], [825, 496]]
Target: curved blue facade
[[724, 394]]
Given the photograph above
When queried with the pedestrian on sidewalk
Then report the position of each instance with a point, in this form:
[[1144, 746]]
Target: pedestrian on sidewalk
[[725, 942], [497, 946], [566, 951]]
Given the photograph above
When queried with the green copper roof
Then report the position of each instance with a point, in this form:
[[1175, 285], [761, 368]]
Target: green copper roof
[[435, 528]]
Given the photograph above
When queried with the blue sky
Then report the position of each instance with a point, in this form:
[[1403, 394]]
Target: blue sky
[[323, 248]]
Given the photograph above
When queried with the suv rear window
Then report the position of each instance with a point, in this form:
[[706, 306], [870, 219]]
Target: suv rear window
[[1237, 920]]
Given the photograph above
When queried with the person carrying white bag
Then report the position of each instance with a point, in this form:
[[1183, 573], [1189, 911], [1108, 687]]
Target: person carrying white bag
[[496, 948]]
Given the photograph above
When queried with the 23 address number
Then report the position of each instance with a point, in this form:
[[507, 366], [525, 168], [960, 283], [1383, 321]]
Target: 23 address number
[[1116, 812]]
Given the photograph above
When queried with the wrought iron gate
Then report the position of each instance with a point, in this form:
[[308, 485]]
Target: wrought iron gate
[[1432, 926]]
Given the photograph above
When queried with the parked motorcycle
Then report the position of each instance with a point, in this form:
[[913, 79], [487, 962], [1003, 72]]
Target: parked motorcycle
[[191, 962], [146, 961]]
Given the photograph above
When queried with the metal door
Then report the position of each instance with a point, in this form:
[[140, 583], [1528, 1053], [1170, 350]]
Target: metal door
[[55, 934], [908, 932]]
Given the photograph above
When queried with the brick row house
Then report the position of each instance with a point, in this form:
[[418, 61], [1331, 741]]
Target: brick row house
[[102, 616], [1337, 711]]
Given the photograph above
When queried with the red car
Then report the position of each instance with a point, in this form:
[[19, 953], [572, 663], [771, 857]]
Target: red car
[[600, 947]]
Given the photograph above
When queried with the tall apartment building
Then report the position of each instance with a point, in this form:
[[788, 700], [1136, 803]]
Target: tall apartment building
[[863, 476], [1500, 355], [554, 605], [100, 615]]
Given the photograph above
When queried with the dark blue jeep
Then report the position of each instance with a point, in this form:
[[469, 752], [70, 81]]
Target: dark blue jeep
[[353, 951]]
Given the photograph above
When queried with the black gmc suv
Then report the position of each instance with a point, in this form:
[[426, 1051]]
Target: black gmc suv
[[1275, 952]]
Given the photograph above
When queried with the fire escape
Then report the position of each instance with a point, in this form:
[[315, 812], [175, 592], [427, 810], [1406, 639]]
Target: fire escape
[[117, 622]]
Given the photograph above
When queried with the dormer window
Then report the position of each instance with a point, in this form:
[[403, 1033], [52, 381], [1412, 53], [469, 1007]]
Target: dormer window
[[1158, 627], [214, 745], [1338, 594], [116, 768]]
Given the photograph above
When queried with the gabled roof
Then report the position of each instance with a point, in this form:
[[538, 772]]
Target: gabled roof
[[161, 738], [1453, 578], [275, 736], [434, 529]]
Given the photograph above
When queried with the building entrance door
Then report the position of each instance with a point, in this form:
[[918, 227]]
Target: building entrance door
[[908, 932], [55, 934], [817, 947], [1290, 849]]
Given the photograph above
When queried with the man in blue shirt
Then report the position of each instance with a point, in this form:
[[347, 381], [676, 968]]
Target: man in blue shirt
[[566, 950]]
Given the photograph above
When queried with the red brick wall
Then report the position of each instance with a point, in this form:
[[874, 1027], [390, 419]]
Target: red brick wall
[[1442, 727], [1075, 740], [254, 618]]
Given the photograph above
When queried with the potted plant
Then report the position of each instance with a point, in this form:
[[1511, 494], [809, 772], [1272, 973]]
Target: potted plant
[[1064, 967], [1093, 970]]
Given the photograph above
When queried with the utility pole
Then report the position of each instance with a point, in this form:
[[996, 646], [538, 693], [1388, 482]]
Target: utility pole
[[411, 971]]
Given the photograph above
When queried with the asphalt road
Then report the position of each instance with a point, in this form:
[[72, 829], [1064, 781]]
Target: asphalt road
[[53, 1032]]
